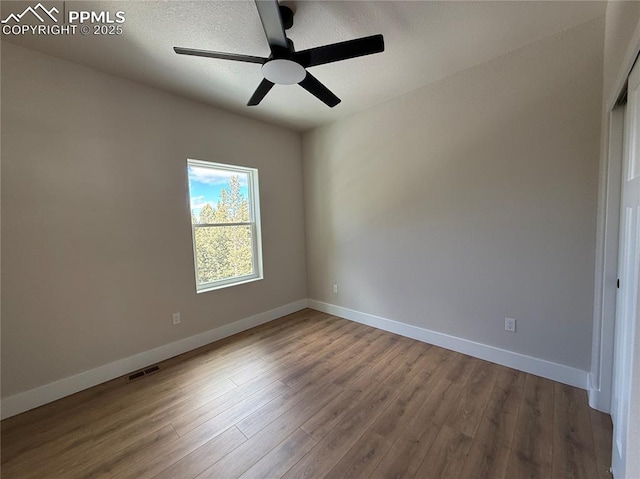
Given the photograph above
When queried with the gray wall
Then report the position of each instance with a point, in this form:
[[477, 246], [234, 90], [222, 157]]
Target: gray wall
[[469, 200], [96, 236]]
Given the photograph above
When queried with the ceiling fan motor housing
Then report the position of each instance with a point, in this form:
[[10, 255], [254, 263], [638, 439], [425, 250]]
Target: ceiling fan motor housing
[[286, 14]]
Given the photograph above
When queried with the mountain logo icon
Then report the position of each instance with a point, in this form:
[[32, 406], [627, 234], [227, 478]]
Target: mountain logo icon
[[39, 11]]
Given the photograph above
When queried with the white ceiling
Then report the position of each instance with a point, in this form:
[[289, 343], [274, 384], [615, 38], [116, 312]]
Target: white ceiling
[[425, 42]]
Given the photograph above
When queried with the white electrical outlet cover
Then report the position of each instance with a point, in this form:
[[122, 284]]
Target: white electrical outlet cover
[[510, 325]]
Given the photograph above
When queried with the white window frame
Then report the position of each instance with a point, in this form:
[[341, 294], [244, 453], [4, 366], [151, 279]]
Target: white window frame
[[254, 223]]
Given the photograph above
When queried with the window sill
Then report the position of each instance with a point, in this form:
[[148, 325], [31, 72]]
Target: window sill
[[206, 289]]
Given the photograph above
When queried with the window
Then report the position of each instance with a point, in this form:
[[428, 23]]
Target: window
[[225, 222]]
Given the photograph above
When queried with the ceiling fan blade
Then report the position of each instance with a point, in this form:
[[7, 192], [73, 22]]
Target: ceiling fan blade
[[222, 56], [261, 91], [340, 51], [269, 12], [313, 86]]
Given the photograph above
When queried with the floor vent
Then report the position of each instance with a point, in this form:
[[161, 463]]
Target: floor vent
[[144, 372]]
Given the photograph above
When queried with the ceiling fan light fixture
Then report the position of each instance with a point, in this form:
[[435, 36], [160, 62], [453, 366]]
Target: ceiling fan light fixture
[[283, 72]]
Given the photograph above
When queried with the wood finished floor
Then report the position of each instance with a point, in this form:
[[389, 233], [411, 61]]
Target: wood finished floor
[[313, 396]]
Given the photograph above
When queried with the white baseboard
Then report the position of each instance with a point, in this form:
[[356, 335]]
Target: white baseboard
[[598, 399], [39, 396], [33, 398], [539, 367]]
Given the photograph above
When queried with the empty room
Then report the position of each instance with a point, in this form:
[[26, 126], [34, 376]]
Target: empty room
[[320, 239]]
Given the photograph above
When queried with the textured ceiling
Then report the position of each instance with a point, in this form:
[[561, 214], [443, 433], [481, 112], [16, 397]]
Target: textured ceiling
[[425, 42]]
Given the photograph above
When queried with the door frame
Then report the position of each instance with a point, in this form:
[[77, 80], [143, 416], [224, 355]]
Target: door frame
[[599, 379], [626, 391]]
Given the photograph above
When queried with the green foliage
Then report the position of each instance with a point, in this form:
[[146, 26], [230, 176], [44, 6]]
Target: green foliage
[[224, 251]]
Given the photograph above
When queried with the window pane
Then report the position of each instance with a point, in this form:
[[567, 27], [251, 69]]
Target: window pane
[[226, 224], [218, 195], [223, 252]]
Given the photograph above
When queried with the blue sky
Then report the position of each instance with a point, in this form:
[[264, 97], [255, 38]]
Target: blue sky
[[205, 185]]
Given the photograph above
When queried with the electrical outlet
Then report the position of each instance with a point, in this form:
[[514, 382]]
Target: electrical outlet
[[510, 325], [176, 318], [335, 289]]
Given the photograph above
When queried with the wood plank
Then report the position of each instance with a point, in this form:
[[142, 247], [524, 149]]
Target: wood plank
[[257, 421], [201, 458], [90, 466], [93, 466], [247, 454], [280, 459], [331, 414], [194, 418], [473, 400], [363, 458], [294, 340], [532, 448], [242, 409], [497, 425], [317, 396], [410, 449], [313, 341], [357, 418], [53, 433], [486, 461], [509, 389], [573, 450], [152, 462], [490, 450], [147, 463], [446, 456], [602, 429], [335, 412]]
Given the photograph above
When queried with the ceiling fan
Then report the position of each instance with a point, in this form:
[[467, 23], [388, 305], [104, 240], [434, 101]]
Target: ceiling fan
[[285, 66]]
